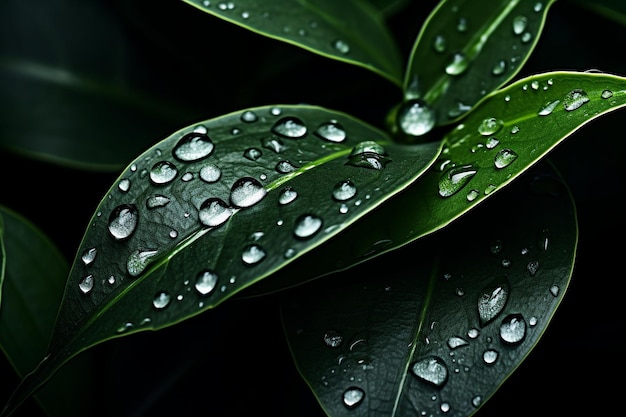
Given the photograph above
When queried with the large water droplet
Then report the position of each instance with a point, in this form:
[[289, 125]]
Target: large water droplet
[[86, 284], [246, 192], [344, 190], [519, 24], [89, 255], [574, 99], [206, 281], [210, 173], [492, 302], [504, 158], [331, 131], [455, 178], [432, 370], [548, 108], [285, 167], [368, 154], [513, 329], [458, 64], [161, 300], [139, 260], [490, 356], [307, 226], [416, 117], [353, 396], [287, 195], [253, 254], [290, 127], [456, 342], [157, 201], [163, 172], [192, 147], [214, 212], [490, 126], [123, 221]]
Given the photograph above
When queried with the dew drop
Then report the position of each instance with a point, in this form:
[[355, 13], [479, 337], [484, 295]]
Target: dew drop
[[455, 178], [249, 116], [287, 195], [432, 370], [206, 281], [472, 195], [161, 300], [333, 339], [193, 147], [214, 212], [490, 356], [163, 172], [353, 396], [574, 99], [331, 131], [341, 46], [368, 154], [473, 333], [504, 158], [606, 94], [492, 142], [532, 267], [491, 302], [490, 126], [252, 154], [138, 260], [157, 201], [456, 342], [344, 190], [123, 221], [458, 65], [513, 329], [210, 173], [499, 68], [307, 226], [519, 24], [554, 290], [416, 117], [477, 400], [253, 254], [124, 185], [89, 256], [290, 127], [440, 44], [543, 239], [246, 192], [285, 167], [86, 284], [548, 108]]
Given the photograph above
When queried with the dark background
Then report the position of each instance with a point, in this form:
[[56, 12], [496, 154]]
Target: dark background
[[236, 361]]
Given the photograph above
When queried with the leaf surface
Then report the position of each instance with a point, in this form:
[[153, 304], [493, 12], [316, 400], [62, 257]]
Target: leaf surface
[[216, 207], [351, 31], [436, 327]]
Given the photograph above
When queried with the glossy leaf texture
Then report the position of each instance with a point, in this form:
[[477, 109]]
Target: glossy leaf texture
[[503, 137], [34, 275], [351, 31], [435, 328], [216, 207], [467, 49]]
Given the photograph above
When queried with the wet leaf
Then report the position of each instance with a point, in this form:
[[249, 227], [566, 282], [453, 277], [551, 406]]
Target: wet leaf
[[34, 275], [399, 337], [471, 50], [350, 31], [216, 207]]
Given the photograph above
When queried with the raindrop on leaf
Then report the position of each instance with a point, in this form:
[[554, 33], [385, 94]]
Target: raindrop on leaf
[[253, 254], [307, 225], [353, 396], [123, 221], [246, 192], [416, 117], [574, 99], [192, 147], [513, 329], [290, 127], [161, 300], [432, 370], [455, 178], [214, 212], [206, 281]]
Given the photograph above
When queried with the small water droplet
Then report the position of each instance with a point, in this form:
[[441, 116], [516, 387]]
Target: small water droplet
[[490, 126], [461, 25], [249, 116], [473, 333], [138, 260], [341, 46], [504, 158], [455, 178], [432, 370], [161, 300], [206, 281], [368, 154], [290, 127], [124, 185], [543, 239], [477, 400], [440, 44], [519, 24], [163, 172], [574, 99], [123, 221], [444, 407], [353, 396], [456, 342], [252, 154], [246, 192], [157, 201], [554, 290], [458, 64], [214, 212], [606, 94], [344, 190], [253, 254], [307, 226], [287, 195], [274, 143], [331, 131], [472, 195], [492, 142], [496, 246], [491, 302], [193, 147], [332, 338], [548, 108], [210, 173], [490, 356], [499, 67], [416, 117], [532, 267], [285, 167], [513, 329], [89, 255], [86, 284]]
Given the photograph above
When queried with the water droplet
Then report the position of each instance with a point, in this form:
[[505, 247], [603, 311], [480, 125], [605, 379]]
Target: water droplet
[[504, 158], [439, 44], [496, 246], [543, 239], [353, 396], [574, 99], [124, 185], [456, 342], [206, 281], [548, 108], [253, 254], [416, 117], [490, 126], [246, 192], [554, 290], [477, 400], [473, 333], [458, 65], [192, 147], [252, 154], [341, 46], [89, 255], [285, 167], [86, 284], [492, 302], [214, 212], [532, 268], [290, 127], [515, 129], [519, 24], [287, 195], [472, 195], [490, 356], [249, 116], [368, 154], [499, 67], [461, 25], [161, 300], [492, 142], [606, 94], [344, 190], [163, 172], [444, 407], [513, 329], [331, 131], [307, 226], [210, 173], [432, 370], [332, 338], [157, 201], [455, 178], [123, 221], [138, 260]]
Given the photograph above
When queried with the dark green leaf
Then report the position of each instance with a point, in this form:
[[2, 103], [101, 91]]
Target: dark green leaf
[[466, 49], [34, 277], [608, 9], [437, 327], [351, 31], [216, 207]]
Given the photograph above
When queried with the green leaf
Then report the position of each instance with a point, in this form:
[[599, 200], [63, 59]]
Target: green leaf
[[438, 326], [34, 277], [216, 207], [466, 50], [608, 9], [351, 31]]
